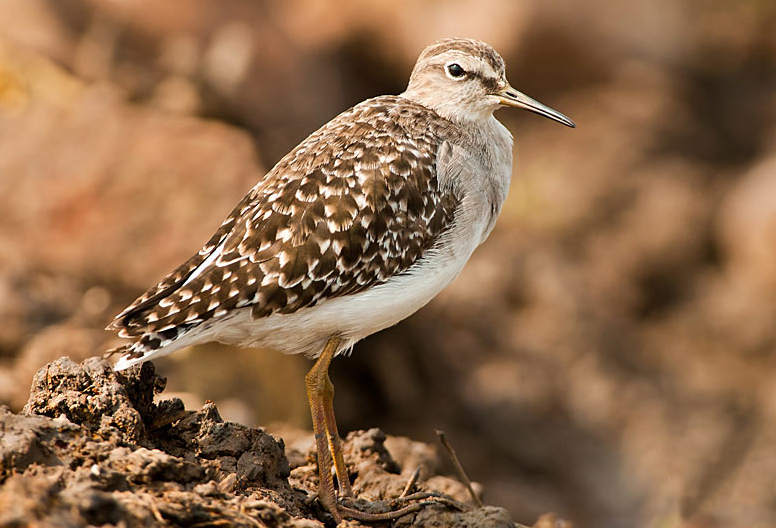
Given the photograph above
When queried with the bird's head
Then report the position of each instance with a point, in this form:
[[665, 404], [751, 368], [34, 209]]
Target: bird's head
[[465, 80]]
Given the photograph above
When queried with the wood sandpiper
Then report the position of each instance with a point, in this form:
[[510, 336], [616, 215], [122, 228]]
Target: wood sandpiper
[[352, 231]]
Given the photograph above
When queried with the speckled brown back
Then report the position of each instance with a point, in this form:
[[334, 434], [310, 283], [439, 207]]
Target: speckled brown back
[[354, 204]]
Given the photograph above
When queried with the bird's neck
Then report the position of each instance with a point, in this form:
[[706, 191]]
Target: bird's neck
[[459, 111]]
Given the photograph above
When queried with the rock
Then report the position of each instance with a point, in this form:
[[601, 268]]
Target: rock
[[26, 439], [439, 518], [94, 396]]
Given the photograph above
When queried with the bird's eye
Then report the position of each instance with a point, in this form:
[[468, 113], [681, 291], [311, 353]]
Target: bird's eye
[[455, 70]]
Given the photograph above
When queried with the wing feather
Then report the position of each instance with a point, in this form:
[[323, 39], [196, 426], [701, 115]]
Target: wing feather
[[325, 222]]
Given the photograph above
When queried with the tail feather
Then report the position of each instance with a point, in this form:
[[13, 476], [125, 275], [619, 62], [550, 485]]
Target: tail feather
[[123, 349], [127, 361], [134, 353], [153, 345]]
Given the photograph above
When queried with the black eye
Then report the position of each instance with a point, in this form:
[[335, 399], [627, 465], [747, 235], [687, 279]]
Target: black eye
[[455, 70]]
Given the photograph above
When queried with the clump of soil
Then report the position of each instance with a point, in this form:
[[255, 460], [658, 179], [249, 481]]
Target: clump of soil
[[93, 447]]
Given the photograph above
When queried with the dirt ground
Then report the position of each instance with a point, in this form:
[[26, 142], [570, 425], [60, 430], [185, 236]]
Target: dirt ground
[[608, 354], [93, 447]]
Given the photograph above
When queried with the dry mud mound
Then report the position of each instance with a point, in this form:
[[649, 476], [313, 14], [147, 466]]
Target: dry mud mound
[[92, 447]]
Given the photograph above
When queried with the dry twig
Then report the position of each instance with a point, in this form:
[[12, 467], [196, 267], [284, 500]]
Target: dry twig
[[458, 467]]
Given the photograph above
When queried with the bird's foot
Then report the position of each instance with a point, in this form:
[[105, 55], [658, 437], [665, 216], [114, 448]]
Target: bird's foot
[[390, 509]]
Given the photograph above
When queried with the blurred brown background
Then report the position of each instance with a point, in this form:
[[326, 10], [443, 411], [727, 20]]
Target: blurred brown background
[[608, 354]]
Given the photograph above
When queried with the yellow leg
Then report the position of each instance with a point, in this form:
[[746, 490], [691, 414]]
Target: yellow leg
[[335, 445], [320, 394]]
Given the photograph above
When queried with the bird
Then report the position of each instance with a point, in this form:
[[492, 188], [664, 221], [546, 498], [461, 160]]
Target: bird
[[355, 229]]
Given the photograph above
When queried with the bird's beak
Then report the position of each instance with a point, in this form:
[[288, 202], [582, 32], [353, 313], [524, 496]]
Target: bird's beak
[[511, 97]]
